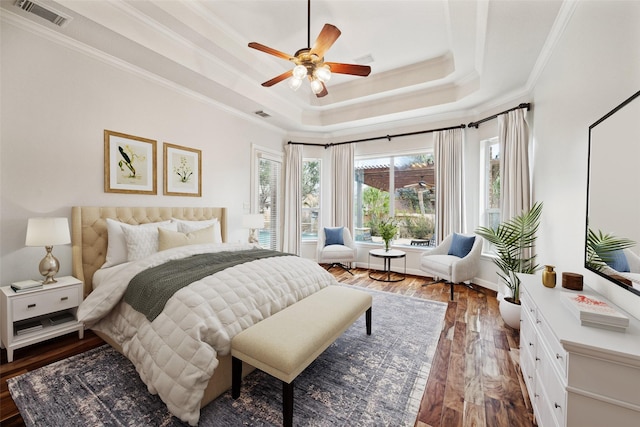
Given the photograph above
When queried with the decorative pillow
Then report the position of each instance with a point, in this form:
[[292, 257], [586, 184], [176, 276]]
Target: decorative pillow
[[168, 239], [143, 241], [619, 262], [117, 245], [461, 245], [185, 226], [333, 236]]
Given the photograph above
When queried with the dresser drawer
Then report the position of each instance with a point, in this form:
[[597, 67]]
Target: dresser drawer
[[544, 411], [528, 368], [46, 302], [559, 355], [553, 385], [528, 343]]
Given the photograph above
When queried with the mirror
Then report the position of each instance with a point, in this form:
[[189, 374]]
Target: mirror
[[612, 243]]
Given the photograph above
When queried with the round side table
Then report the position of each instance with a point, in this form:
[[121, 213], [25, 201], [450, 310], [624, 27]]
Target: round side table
[[387, 256]]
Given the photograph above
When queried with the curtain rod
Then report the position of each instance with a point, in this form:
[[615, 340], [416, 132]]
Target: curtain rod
[[486, 119], [376, 137]]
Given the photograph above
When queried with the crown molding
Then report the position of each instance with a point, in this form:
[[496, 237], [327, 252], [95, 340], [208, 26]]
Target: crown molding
[[559, 26], [18, 21]]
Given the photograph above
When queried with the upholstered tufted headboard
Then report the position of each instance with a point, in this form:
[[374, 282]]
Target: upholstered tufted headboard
[[89, 231]]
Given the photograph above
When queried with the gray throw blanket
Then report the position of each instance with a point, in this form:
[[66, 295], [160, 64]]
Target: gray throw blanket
[[149, 290]]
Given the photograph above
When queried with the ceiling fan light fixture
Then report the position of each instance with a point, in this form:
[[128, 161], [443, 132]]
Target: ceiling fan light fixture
[[310, 60], [316, 86], [299, 72], [295, 83], [323, 73]]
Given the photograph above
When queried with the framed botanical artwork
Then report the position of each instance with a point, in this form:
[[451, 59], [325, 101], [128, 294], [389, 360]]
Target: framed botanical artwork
[[182, 171], [129, 164]]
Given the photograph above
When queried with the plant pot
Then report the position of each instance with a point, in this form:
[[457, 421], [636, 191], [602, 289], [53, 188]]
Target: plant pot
[[510, 312]]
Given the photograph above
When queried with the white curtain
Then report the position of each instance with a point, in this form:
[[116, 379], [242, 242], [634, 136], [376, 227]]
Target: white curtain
[[342, 194], [292, 228], [513, 136], [448, 150]]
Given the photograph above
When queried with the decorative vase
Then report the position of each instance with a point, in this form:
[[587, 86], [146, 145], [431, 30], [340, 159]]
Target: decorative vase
[[549, 276], [387, 245]]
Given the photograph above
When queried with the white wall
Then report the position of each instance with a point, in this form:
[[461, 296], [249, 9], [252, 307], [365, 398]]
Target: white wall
[[56, 103], [594, 67]]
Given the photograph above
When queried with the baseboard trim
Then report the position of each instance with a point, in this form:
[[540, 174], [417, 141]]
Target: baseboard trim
[[417, 272]]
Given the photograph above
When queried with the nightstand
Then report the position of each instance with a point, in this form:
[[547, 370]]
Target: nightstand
[[33, 316]]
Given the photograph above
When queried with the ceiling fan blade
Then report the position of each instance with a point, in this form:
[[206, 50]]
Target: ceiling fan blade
[[325, 40], [278, 79], [353, 69], [270, 51], [323, 92]]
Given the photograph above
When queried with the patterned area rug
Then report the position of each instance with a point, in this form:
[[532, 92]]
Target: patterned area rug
[[359, 380]]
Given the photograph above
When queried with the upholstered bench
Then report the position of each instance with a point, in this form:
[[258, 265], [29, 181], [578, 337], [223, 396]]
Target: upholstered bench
[[284, 344]]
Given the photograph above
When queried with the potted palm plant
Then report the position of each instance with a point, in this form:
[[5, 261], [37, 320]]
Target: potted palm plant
[[601, 248], [514, 241]]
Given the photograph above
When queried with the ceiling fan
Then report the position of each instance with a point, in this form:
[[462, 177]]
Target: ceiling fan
[[422, 185], [309, 61]]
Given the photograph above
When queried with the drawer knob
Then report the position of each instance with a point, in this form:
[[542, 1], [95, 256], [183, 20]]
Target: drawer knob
[[537, 359], [558, 356], [538, 321], [31, 305], [531, 344], [556, 405], [64, 298]]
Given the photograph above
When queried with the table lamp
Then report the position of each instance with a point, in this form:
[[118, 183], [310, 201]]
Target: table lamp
[[48, 232], [253, 222]]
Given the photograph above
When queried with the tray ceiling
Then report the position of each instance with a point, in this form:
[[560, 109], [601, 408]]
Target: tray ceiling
[[430, 60]]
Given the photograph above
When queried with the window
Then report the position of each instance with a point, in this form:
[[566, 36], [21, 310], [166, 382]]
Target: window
[[411, 200], [490, 182], [268, 169], [310, 198]]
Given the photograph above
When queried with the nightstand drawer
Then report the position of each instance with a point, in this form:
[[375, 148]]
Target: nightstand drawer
[[45, 302]]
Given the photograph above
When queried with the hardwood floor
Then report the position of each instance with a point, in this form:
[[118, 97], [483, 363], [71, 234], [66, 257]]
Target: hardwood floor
[[474, 378]]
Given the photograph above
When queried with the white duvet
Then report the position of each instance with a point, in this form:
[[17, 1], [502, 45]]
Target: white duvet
[[176, 354]]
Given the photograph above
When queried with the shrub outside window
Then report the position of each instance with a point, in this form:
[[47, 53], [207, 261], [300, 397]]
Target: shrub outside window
[[401, 187], [310, 198]]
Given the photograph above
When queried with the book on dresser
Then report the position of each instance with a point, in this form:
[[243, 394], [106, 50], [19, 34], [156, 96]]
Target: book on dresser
[[595, 312], [26, 285]]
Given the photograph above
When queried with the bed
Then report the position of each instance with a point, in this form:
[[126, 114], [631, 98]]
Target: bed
[[181, 356]]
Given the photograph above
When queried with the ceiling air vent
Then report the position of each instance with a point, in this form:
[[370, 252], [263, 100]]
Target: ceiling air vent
[[47, 13], [262, 114]]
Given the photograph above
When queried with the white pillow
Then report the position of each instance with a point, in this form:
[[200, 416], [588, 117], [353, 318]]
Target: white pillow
[[143, 241], [117, 245], [172, 239], [185, 226]]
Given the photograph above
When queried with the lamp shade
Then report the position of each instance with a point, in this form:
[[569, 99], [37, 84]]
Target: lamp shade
[[253, 221], [47, 232]]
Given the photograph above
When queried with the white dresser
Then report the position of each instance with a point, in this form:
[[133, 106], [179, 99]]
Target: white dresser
[[576, 376]]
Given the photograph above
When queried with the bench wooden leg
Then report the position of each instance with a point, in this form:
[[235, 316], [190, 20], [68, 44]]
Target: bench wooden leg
[[287, 404], [236, 377], [368, 317]]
